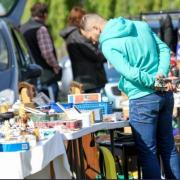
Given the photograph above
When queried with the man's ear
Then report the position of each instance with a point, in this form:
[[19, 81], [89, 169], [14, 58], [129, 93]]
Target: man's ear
[[97, 28], [82, 31]]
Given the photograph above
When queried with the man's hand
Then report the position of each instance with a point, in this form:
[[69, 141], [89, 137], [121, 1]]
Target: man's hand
[[159, 76], [158, 86], [56, 69], [164, 84], [170, 87]]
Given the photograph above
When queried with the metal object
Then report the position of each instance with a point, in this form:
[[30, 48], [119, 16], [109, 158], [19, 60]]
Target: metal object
[[160, 83]]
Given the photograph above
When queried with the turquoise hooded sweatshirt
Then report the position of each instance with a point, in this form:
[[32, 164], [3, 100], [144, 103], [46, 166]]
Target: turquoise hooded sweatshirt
[[136, 53]]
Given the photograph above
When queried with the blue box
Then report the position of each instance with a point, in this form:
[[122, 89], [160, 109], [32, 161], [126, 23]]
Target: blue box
[[13, 147]]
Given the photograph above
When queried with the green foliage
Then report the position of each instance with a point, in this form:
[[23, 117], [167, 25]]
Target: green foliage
[[57, 19], [105, 7], [59, 9], [70, 3]]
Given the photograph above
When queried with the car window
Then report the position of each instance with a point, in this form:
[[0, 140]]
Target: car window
[[6, 6], [153, 19], [22, 55], [3, 53], [21, 49]]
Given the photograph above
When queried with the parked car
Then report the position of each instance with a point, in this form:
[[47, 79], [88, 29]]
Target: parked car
[[111, 91], [153, 18], [15, 62], [160, 22], [67, 76]]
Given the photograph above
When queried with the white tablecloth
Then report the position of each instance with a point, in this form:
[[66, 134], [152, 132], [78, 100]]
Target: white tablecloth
[[95, 127], [19, 165]]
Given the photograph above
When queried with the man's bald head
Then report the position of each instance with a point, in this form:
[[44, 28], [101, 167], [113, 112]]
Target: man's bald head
[[90, 21], [91, 26]]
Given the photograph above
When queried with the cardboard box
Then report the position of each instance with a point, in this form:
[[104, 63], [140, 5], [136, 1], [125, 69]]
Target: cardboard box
[[127, 130], [81, 98]]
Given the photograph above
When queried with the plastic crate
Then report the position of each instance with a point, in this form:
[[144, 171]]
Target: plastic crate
[[105, 106]]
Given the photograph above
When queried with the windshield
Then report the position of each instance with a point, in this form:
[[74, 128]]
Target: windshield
[[6, 6]]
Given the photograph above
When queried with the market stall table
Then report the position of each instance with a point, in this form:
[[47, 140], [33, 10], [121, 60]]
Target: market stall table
[[35, 163], [71, 135], [75, 142]]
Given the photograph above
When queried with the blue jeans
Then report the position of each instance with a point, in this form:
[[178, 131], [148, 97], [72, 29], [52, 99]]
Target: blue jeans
[[151, 122], [55, 90]]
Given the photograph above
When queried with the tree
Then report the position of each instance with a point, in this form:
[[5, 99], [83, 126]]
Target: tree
[[59, 10]]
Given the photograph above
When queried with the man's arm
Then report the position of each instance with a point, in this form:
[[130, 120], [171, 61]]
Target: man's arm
[[132, 74], [46, 48], [164, 56]]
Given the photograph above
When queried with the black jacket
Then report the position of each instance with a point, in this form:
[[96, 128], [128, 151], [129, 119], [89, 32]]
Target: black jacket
[[29, 30], [87, 61], [168, 34]]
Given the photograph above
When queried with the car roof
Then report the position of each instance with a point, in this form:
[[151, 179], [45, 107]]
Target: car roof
[[153, 18], [13, 12]]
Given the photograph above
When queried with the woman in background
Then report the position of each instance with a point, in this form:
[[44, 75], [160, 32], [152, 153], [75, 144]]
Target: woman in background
[[86, 59]]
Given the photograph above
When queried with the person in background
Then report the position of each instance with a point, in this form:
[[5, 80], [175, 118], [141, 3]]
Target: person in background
[[178, 41], [168, 34], [86, 59], [40, 43], [141, 58]]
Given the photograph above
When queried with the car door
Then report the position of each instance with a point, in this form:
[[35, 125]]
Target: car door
[[13, 61], [8, 66]]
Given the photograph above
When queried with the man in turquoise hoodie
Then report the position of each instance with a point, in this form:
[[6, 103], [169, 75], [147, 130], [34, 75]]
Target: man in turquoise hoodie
[[140, 57]]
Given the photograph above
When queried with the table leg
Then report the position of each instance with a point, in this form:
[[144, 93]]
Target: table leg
[[81, 157], [76, 159], [52, 170], [125, 164], [70, 154], [111, 131]]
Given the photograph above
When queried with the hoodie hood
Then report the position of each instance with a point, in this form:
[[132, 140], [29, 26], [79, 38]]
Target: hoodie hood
[[116, 28], [67, 31]]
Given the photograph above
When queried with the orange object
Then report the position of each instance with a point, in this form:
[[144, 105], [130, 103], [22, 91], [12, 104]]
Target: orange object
[[81, 98]]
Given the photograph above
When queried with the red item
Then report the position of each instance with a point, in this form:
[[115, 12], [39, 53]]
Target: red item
[[71, 124], [173, 61], [74, 124]]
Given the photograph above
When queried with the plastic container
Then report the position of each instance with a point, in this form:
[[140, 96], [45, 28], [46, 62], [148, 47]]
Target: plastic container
[[105, 106], [12, 147], [58, 109]]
